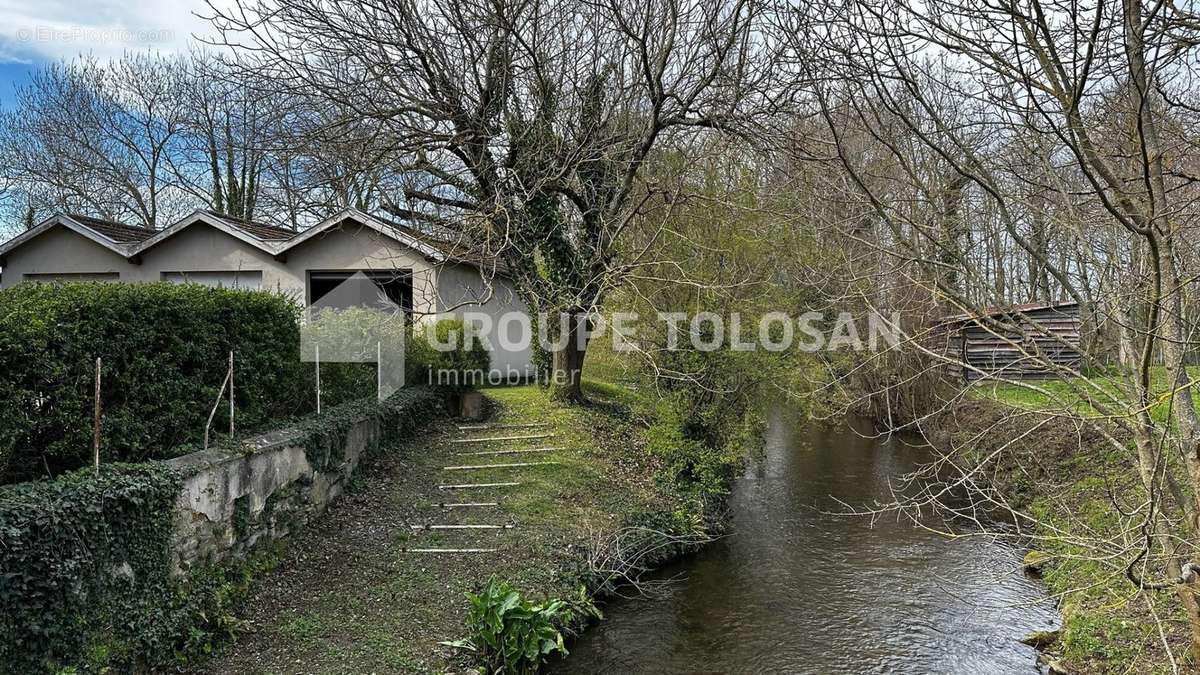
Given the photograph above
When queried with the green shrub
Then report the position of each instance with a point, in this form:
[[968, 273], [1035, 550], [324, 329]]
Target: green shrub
[[344, 331], [514, 636], [703, 446], [84, 569], [165, 351], [469, 358]]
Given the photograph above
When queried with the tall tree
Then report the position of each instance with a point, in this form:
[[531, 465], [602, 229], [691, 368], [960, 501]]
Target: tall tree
[[230, 118], [97, 138], [533, 119]]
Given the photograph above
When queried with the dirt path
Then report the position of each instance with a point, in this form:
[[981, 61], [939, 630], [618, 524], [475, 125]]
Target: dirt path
[[352, 596]]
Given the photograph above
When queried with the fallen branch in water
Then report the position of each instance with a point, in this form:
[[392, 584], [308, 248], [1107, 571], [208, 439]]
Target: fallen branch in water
[[621, 558]]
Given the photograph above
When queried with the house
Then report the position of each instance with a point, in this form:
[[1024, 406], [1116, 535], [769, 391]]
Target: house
[[429, 275], [1017, 342]]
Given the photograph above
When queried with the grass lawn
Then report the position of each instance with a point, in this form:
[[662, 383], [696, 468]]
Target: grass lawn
[[1083, 396], [350, 598]]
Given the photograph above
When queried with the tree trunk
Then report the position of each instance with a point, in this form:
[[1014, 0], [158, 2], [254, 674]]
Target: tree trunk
[[566, 363]]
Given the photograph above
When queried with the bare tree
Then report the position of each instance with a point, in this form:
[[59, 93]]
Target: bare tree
[[97, 138], [230, 118], [533, 121], [1050, 133]]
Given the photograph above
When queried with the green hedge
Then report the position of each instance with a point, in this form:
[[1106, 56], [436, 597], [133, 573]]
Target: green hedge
[[343, 382], [165, 353], [424, 360], [84, 564]]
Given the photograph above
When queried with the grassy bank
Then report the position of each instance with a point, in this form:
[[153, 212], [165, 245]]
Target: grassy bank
[[1076, 395], [1042, 458], [351, 596]]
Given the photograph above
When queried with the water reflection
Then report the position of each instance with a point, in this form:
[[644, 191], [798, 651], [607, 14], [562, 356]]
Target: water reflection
[[795, 590]]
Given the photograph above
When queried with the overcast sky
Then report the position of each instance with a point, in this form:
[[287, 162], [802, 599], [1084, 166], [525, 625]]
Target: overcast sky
[[33, 32]]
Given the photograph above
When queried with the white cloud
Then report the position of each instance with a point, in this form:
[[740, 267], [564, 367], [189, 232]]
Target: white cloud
[[56, 29]]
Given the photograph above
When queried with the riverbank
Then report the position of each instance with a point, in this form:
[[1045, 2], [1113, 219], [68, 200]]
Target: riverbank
[[791, 558], [1056, 468], [354, 593]]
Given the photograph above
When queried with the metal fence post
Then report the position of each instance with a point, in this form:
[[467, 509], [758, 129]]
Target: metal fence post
[[230, 394], [96, 422]]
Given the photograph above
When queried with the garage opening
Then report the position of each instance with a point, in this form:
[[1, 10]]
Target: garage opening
[[359, 288], [243, 279]]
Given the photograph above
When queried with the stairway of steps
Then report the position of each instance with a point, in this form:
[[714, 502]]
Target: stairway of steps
[[464, 513]]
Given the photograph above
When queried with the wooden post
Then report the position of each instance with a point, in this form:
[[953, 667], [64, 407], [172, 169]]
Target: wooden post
[[318, 360], [231, 395], [96, 422], [217, 404]]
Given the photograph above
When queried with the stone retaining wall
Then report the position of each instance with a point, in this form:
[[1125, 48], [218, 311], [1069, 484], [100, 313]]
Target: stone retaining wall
[[231, 502]]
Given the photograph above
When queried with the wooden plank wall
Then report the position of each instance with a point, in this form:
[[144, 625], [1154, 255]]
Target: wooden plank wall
[[1046, 331]]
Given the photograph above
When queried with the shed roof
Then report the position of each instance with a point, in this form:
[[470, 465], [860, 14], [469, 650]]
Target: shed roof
[[117, 232], [257, 230], [1003, 310]]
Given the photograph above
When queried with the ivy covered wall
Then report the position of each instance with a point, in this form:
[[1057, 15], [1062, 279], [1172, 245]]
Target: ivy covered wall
[[125, 571]]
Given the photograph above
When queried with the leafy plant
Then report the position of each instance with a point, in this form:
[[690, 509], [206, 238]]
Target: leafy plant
[[86, 569], [443, 346], [512, 634]]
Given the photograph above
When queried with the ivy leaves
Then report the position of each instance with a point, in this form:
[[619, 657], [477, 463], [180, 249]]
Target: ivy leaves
[[85, 572]]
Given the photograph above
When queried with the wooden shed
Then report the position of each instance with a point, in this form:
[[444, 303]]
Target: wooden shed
[[1018, 342]]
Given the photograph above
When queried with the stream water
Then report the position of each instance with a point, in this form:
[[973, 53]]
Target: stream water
[[793, 590]]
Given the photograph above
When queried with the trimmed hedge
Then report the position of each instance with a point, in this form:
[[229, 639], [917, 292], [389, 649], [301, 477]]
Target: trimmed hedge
[[165, 353]]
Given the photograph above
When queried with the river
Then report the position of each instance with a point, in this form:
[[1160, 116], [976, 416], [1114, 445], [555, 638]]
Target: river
[[794, 590]]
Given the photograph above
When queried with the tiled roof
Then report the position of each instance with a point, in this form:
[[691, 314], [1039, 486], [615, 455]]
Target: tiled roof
[[260, 231], [114, 231]]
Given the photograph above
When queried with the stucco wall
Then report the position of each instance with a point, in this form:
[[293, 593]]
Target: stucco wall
[[60, 250], [459, 284], [229, 503], [201, 248], [361, 248]]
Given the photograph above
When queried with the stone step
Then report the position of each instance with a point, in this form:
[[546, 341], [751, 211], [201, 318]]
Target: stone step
[[505, 452], [468, 486], [462, 527], [493, 439], [489, 427], [467, 505], [449, 550], [514, 465]]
